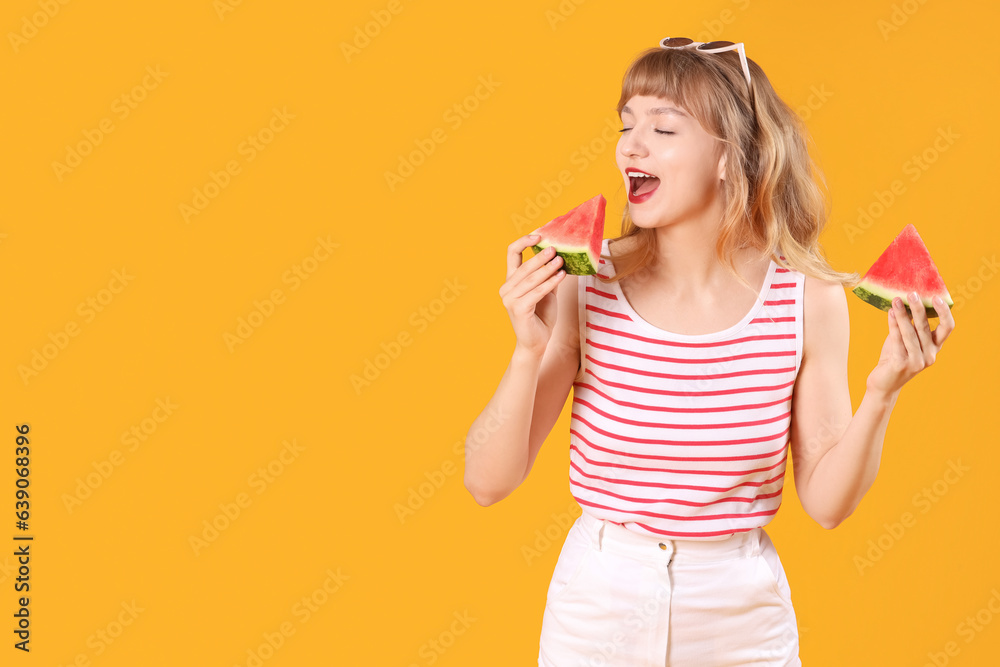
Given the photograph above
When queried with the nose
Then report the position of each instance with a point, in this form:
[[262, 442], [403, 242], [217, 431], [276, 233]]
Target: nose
[[632, 143]]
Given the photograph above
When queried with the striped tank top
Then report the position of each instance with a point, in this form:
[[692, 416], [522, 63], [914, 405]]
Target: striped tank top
[[684, 436]]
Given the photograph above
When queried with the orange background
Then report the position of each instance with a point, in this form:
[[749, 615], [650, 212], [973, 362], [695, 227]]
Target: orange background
[[228, 159]]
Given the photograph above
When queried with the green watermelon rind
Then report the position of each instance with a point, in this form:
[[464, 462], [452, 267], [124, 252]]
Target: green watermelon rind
[[882, 298], [577, 261]]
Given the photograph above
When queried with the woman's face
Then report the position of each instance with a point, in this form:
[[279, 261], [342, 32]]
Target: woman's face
[[663, 140]]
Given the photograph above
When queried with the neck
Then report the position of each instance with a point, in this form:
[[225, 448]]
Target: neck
[[686, 263]]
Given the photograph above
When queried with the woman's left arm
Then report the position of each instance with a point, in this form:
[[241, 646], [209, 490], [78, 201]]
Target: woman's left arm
[[835, 456]]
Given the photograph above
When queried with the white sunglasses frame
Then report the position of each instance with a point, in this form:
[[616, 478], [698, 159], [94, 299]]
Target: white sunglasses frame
[[697, 45]]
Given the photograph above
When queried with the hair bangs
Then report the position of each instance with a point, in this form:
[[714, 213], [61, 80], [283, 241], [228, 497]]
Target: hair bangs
[[672, 75]]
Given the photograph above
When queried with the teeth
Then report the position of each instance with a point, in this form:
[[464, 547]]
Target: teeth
[[637, 173]]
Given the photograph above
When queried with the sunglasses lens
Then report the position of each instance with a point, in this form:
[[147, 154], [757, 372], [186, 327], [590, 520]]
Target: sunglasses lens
[[715, 45], [675, 41]]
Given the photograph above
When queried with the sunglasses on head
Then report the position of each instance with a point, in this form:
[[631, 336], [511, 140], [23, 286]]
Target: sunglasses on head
[[709, 47]]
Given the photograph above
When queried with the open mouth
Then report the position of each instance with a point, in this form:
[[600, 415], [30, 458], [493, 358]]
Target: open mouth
[[641, 183]]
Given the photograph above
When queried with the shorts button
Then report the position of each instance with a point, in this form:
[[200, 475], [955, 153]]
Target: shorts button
[[663, 546]]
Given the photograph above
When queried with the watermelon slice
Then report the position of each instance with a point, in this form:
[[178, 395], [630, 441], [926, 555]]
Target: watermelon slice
[[905, 266], [577, 236]]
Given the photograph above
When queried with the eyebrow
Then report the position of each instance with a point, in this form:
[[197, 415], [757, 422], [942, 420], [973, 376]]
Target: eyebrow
[[660, 110]]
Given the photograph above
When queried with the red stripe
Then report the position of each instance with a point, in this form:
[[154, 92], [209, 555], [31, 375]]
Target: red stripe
[[668, 408], [633, 422], [654, 457], [734, 341], [608, 312], [680, 360], [783, 285], [668, 392], [675, 376], [606, 295], [692, 487], [703, 443], [780, 302], [675, 517], [675, 501], [664, 470]]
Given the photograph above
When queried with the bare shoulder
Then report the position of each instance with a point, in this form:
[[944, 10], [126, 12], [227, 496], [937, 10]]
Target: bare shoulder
[[567, 328], [825, 313], [826, 292]]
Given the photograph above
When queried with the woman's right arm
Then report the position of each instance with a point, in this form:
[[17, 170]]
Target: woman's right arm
[[505, 438]]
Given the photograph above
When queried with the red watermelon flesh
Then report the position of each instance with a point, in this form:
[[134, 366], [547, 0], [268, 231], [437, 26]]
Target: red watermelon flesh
[[903, 267], [577, 236]]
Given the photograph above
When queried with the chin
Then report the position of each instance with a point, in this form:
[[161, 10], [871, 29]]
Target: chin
[[652, 219], [644, 216], [641, 220]]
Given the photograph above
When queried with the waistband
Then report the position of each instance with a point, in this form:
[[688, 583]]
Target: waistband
[[607, 535]]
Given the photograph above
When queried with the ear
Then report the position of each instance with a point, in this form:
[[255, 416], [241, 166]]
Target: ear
[[722, 166]]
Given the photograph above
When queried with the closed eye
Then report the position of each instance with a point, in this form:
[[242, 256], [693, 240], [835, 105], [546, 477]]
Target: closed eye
[[625, 129]]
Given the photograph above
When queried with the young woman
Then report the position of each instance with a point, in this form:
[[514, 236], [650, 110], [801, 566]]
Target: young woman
[[712, 341]]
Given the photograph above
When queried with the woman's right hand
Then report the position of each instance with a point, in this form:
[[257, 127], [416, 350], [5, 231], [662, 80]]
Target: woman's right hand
[[527, 293]]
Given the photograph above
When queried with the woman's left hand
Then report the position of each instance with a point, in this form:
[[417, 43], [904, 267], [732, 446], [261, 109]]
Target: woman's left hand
[[910, 347]]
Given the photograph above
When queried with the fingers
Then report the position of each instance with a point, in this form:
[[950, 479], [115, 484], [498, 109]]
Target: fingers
[[514, 251], [926, 350], [538, 275], [911, 341], [895, 335], [545, 286], [535, 271], [946, 321]]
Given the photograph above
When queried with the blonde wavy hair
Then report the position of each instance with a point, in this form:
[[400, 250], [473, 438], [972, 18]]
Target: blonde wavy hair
[[774, 201]]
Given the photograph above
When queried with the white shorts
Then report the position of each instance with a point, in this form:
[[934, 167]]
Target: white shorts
[[618, 598]]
